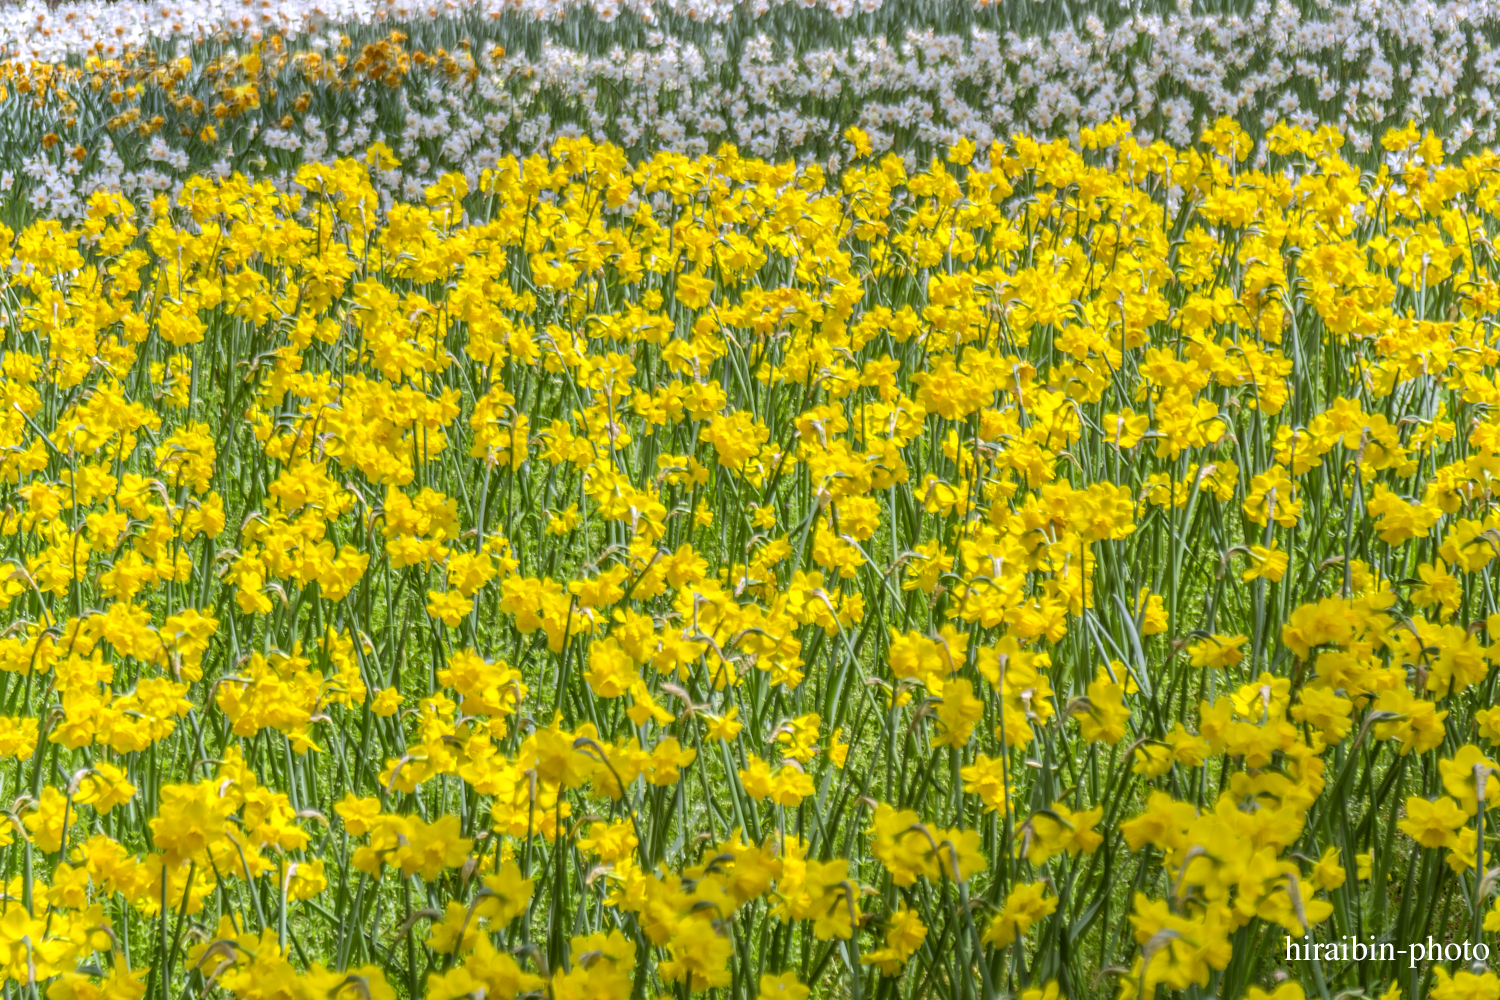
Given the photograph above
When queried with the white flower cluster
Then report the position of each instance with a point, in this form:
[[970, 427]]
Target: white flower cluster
[[692, 76], [44, 32], [59, 187], [1360, 66]]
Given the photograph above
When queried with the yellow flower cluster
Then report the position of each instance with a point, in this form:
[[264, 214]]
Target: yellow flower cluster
[[1044, 573]]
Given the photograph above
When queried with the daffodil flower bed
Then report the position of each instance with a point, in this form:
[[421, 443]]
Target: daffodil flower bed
[[1058, 571], [136, 97]]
